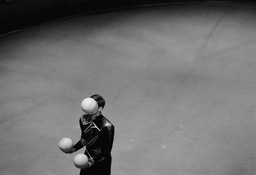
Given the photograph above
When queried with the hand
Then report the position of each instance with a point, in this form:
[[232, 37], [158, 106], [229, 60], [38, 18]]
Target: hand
[[90, 163]]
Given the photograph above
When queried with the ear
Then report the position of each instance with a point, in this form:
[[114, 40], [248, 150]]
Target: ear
[[100, 109]]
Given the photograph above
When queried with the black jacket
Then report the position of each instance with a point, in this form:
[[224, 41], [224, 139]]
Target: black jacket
[[97, 136]]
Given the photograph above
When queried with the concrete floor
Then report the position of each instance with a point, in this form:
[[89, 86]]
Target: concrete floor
[[179, 83]]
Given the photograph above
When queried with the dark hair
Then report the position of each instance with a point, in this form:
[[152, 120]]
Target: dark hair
[[99, 99]]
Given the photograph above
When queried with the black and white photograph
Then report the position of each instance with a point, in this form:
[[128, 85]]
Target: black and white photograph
[[127, 87]]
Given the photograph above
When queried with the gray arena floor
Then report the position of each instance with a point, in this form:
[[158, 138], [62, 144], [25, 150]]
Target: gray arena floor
[[179, 81]]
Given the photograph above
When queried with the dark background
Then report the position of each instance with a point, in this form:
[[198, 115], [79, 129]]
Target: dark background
[[15, 14]]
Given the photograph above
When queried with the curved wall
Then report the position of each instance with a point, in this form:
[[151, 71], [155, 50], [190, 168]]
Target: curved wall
[[15, 14]]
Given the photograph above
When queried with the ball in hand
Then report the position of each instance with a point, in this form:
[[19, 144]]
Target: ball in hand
[[81, 161], [66, 145]]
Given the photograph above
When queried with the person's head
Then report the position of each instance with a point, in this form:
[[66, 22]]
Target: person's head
[[89, 106], [100, 101], [93, 105]]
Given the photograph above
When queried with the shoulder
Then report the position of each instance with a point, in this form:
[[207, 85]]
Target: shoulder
[[106, 123]]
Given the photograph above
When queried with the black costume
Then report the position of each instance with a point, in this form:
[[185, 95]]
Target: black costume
[[98, 136]]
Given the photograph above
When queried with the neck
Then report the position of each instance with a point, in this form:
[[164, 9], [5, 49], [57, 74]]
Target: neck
[[93, 117]]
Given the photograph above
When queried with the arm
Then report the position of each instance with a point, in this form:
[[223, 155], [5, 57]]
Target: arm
[[80, 143]]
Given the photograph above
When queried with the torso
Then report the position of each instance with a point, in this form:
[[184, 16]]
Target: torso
[[93, 132]]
